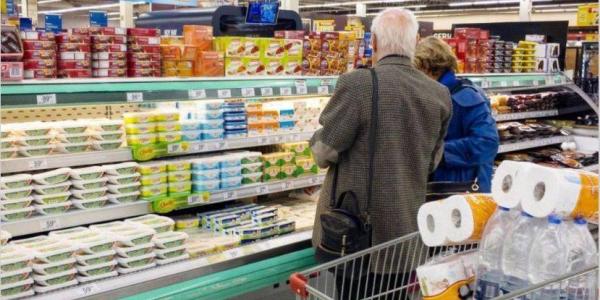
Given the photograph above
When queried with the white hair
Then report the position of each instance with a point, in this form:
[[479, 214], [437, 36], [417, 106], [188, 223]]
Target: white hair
[[396, 31]]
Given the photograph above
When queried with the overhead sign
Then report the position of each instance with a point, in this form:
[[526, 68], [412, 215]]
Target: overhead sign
[[53, 23], [172, 2], [25, 24], [98, 18]]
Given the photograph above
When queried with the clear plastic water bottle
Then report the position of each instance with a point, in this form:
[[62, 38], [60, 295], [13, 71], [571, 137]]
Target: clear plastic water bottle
[[582, 254], [489, 272], [515, 252]]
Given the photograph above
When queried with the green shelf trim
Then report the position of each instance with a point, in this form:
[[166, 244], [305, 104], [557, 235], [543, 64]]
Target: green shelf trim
[[236, 281]]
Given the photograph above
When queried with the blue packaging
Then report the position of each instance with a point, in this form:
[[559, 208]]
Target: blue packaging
[[188, 125], [203, 175], [191, 135], [213, 114], [230, 161], [234, 117], [205, 186], [235, 125], [213, 134], [208, 163], [231, 182], [287, 124], [231, 172], [212, 124]]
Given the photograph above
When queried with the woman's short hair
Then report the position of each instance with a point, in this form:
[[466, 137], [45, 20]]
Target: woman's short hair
[[434, 56]]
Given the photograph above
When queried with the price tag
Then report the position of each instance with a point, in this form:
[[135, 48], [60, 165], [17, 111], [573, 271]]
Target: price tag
[[230, 195], [288, 185], [314, 180], [266, 91], [263, 140], [248, 92], [278, 139], [233, 253], [326, 81], [197, 147], [194, 199], [301, 88], [295, 138], [485, 84], [285, 91], [50, 224], [216, 258], [503, 83], [46, 99], [135, 97], [88, 289], [38, 164], [262, 189], [174, 148], [197, 94], [516, 83], [224, 93], [536, 83], [221, 145], [323, 90]]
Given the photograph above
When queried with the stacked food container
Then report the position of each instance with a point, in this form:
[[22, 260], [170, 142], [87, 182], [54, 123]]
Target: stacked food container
[[74, 54], [143, 52], [40, 54], [15, 272], [109, 45]]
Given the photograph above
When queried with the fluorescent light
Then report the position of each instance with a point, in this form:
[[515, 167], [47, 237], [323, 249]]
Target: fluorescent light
[[47, 1], [114, 13], [352, 3], [487, 2], [92, 7]]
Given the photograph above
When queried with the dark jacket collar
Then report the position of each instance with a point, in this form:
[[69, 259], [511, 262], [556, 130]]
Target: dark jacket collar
[[395, 60]]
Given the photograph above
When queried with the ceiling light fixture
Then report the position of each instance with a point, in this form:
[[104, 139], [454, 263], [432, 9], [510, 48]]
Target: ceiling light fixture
[[490, 2], [352, 3], [82, 8], [47, 1]]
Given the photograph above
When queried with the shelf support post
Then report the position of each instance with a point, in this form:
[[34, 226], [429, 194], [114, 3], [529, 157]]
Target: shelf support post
[[525, 7]]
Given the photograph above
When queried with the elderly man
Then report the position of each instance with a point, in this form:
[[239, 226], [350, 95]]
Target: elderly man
[[413, 115]]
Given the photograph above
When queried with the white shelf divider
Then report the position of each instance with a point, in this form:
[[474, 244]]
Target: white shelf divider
[[510, 147]]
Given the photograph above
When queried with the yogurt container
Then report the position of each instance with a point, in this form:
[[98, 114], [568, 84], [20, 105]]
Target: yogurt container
[[139, 117], [52, 198], [52, 177], [126, 168], [124, 179], [16, 214], [16, 193], [15, 181], [124, 198], [151, 168], [154, 179], [141, 128], [201, 175], [124, 188], [179, 176], [206, 186], [90, 203], [89, 184], [53, 209], [7, 205], [154, 190], [49, 189], [88, 173], [168, 126], [142, 139]]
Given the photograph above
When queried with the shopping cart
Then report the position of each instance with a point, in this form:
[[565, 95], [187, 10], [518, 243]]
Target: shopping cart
[[349, 277]]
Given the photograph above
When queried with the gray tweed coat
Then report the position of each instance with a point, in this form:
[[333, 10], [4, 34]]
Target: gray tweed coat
[[414, 112]]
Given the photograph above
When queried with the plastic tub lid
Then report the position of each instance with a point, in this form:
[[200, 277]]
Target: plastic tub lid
[[82, 258], [14, 178], [83, 269], [125, 261], [41, 178], [39, 268], [4, 213], [122, 251], [39, 188], [41, 208], [76, 173]]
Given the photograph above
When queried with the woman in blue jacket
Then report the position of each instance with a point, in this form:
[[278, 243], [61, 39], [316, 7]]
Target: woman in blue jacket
[[471, 143]]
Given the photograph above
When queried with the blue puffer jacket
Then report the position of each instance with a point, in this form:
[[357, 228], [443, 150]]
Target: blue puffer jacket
[[471, 143]]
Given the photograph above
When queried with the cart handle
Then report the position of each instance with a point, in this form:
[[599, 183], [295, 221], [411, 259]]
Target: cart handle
[[298, 285]]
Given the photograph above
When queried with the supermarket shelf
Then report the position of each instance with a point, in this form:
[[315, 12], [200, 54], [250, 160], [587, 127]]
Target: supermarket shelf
[[592, 168], [120, 211], [95, 91], [515, 80], [533, 143], [75, 218], [131, 284], [26, 164], [540, 113]]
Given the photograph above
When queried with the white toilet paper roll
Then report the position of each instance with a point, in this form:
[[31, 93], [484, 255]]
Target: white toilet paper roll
[[508, 176], [564, 192], [433, 224], [468, 215]]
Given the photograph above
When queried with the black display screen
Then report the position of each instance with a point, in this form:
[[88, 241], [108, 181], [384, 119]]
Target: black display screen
[[262, 12]]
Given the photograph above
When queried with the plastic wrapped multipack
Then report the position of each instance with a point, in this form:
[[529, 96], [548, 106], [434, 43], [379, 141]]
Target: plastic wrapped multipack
[[158, 223]]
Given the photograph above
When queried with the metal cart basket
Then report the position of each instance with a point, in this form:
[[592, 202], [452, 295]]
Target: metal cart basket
[[349, 277]]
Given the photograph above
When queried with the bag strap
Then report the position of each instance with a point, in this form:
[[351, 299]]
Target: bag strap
[[372, 138]]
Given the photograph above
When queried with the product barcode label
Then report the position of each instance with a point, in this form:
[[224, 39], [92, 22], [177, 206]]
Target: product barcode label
[[135, 97], [285, 91], [15, 72], [49, 224], [194, 199], [248, 92], [88, 289], [38, 164], [224, 93], [46, 99], [323, 90], [301, 87], [266, 91], [197, 94]]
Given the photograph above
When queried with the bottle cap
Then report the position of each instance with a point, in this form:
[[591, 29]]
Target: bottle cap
[[503, 208], [526, 214], [553, 219], [580, 221]]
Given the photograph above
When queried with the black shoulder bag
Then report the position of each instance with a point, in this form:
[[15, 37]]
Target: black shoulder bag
[[344, 229], [437, 190]]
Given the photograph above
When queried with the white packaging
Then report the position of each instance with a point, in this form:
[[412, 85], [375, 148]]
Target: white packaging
[[93, 270], [433, 224], [468, 215], [83, 279], [55, 267], [137, 261], [96, 258], [135, 251], [47, 280], [507, 179], [437, 277]]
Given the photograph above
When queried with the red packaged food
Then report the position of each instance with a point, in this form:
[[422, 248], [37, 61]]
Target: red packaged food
[[38, 36], [110, 47], [39, 63], [467, 33], [39, 73], [72, 38], [74, 64], [109, 64], [11, 71], [143, 40], [461, 49], [143, 64], [77, 73], [74, 55], [143, 32], [39, 45], [109, 39], [484, 34], [290, 34], [107, 31], [144, 48], [133, 56], [75, 47], [109, 55], [39, 54], [82, 31], [109, 72], [143, 72]]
